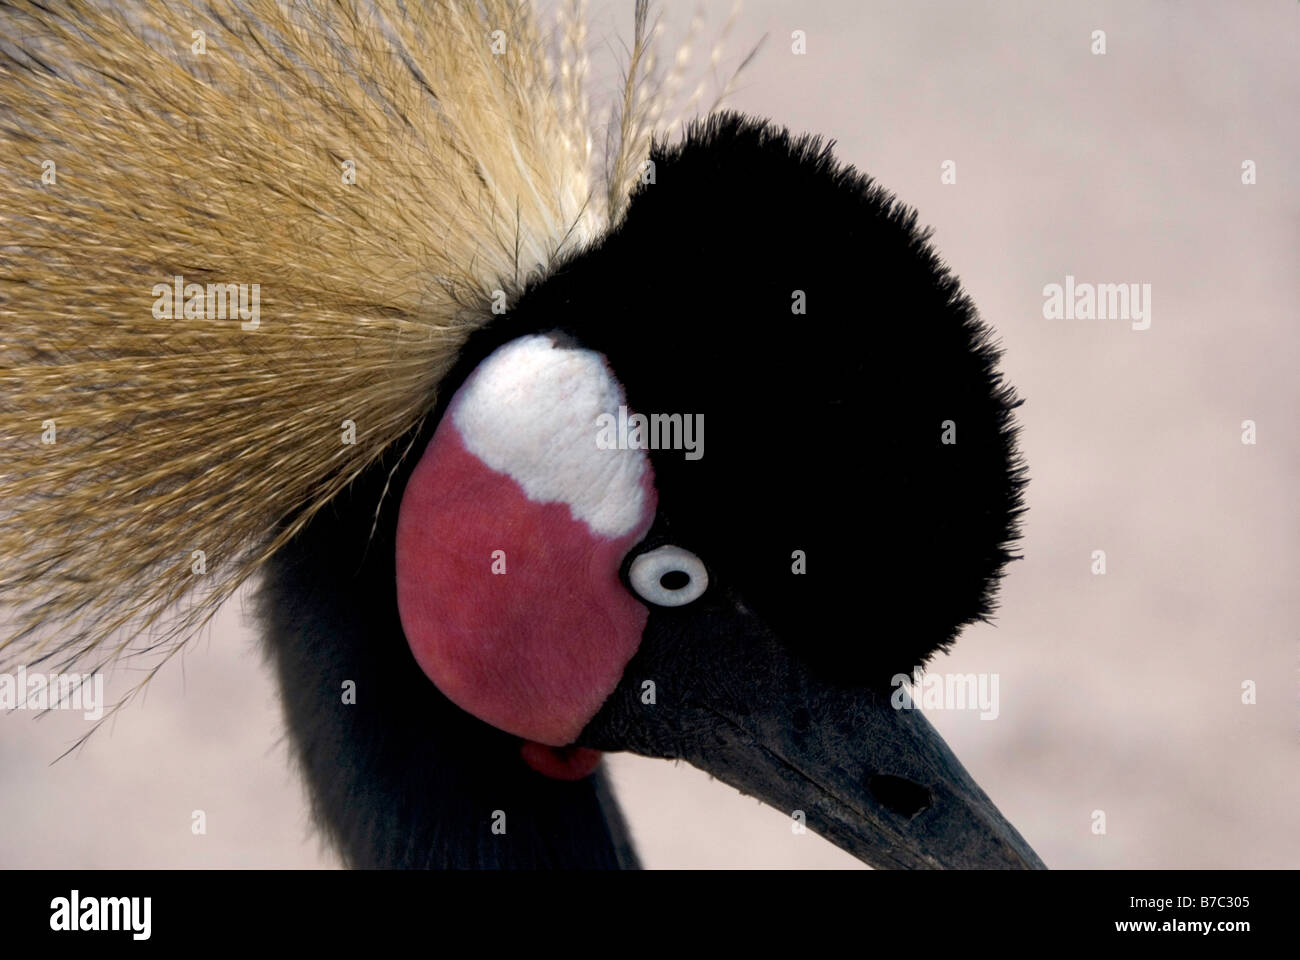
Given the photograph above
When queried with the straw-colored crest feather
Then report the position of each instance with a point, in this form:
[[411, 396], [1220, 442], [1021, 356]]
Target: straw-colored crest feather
[[378, 168]]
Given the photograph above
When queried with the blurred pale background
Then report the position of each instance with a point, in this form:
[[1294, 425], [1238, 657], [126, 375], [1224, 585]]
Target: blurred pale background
[[1119, 692]]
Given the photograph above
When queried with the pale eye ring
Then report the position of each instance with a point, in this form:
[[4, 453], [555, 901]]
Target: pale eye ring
[[668, 576]]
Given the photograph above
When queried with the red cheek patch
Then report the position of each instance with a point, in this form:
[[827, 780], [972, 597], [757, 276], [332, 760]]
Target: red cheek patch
[[534, 650]]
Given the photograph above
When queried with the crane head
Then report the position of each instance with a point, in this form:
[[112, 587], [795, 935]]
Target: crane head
[[709, 486]]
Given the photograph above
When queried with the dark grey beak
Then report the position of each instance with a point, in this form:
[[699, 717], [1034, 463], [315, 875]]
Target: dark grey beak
[[877, 781]]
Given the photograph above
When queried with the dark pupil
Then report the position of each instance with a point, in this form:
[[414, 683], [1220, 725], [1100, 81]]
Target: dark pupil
[[674, 580]]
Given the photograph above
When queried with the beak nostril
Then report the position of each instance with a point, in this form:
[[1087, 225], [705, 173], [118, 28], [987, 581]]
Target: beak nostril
[[903, 797]]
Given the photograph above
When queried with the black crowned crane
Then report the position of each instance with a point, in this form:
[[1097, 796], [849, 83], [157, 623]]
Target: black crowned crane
[[495, 569]]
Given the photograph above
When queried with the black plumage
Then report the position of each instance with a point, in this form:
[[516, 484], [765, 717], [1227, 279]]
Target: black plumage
[[823, 434]]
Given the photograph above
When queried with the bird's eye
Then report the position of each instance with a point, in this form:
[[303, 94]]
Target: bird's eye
[[668, 576]]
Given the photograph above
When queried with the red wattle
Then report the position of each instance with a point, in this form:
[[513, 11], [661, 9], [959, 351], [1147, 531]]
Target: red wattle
[[560, 763], [534, 651]]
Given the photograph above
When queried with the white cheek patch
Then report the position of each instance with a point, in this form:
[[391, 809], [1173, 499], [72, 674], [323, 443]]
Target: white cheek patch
[[530, 411]]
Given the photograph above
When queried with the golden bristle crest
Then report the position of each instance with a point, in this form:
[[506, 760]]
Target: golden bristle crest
[[375, 173]]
